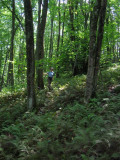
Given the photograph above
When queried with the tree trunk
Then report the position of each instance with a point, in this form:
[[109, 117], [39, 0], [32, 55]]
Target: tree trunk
[[1, 51], [96, 36], [40, 45], [73, 30], [58, 42], [71, 11], [21, 68], [10, 78], [19, 19], [63, 23], [51, 40], [30, 54], [2, 77], [63, 26]]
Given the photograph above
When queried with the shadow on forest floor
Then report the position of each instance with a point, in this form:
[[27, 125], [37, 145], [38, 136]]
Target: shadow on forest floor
[[63, 128]]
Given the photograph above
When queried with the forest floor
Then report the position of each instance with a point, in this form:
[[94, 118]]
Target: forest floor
[[63, 127]]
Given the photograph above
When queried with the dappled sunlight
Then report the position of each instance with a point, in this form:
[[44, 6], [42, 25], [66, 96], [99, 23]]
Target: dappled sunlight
[[47, 50], [115, 67], [63, 87], [62, 122]]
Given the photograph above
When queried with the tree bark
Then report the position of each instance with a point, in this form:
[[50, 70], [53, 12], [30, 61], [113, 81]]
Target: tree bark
[[3, 73], [63, 26], [72, 9], [51, 40], [21, 67], [10, 79], [96, 36], [1, 51], [71, 12], [99, 41], [58, 42], [40, 44], [30, 54]]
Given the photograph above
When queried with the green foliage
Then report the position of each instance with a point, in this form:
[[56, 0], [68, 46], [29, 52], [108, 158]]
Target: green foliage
[[108, 79], [63, 128], [73, 133]]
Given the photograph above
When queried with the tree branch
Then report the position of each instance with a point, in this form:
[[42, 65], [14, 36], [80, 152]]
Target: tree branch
[[16, 16]]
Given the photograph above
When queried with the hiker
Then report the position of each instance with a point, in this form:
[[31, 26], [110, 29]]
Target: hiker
[[50, 78]]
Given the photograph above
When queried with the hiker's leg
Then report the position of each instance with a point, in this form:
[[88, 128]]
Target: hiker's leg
[[49, 83]]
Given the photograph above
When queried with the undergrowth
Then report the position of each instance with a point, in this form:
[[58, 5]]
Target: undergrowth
[[63, 128]]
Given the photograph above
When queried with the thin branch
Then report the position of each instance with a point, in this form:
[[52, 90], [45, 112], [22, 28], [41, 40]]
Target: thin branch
[[16, 16]]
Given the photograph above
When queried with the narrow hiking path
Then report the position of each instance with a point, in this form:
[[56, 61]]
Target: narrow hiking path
[[63, 127], [62, 96], [67, 90], [62, 122]]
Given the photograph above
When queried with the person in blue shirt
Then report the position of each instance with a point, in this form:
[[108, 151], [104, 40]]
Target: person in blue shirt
[[50, 78]]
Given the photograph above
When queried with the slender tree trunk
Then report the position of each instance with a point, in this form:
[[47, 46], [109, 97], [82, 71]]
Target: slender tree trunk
[[85, 14], [51, 40], [58, 42], [38, 40], [71, 12], [96, 36], [10, 67], [114, 55], [30, 54], [63, 23], [21, 66], [40, 45], [73, 31], [2, 77], [63, 26], [119, 52], [5, 64], [1, 53], [19, 19]]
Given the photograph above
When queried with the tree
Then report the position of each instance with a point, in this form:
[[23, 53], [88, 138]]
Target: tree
[[96, 36], [30, 54], [111, 40], [78, 32], [52, 9], [10, 67], [58, 41], [39, 43], [2, 77], [66, 33]]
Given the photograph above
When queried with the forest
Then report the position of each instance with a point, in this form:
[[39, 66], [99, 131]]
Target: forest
[[59, 80]]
